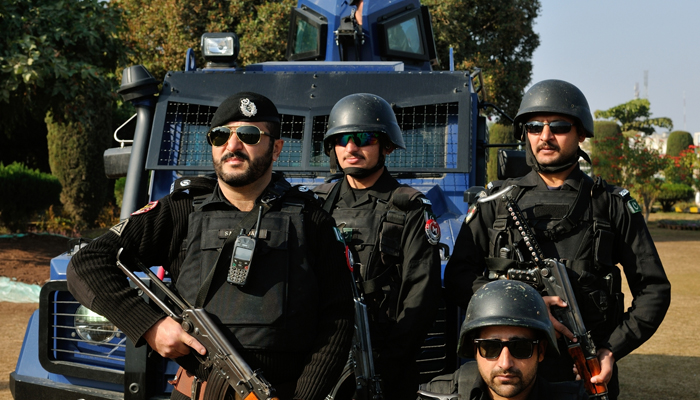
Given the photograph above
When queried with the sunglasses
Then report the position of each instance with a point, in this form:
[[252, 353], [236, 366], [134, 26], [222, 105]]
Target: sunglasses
[[554, 127], [248, 134], [359, 138], [520, 348]]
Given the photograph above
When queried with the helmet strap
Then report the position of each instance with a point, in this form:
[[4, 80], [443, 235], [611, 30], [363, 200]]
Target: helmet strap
[[333, 162]]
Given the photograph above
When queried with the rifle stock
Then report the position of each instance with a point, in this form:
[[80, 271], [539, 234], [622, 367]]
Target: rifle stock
[[221, 357]]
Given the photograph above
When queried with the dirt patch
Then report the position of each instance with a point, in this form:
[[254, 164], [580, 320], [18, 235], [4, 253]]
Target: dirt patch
[[27, 258]]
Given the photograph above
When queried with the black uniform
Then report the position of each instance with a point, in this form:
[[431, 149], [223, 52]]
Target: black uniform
[[293, 317], [594, 227], [468, 383], [402, 281]]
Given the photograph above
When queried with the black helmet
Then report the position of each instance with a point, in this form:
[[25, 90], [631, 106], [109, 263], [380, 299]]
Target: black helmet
[[362, 112], [556, 97], [505, 303]]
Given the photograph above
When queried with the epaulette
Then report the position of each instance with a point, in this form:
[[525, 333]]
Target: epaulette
[[303, 192], [405, 195], [194, 185]]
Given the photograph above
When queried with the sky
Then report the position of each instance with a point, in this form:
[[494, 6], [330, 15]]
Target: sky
[[604, 48]]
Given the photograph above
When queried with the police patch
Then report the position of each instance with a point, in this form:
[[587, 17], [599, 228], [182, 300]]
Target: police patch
[[148, 207], [633, 206], [471, 213], [432, 228], [119, 228]]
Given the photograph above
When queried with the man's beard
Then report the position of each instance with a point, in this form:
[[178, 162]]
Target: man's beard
[[511, 390], [255, 170]]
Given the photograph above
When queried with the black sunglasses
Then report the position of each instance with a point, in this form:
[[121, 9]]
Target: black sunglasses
[[554, 127], [248, 134], [360, 139], [519, 348]]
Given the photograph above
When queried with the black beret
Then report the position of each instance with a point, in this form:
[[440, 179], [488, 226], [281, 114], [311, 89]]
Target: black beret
[[245, 106]]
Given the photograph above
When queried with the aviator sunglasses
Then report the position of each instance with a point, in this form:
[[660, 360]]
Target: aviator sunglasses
[[520, 348], [359, 138], [554, 127], [248, 134]]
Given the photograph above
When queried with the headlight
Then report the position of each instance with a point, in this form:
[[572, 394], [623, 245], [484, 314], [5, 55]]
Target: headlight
[[220, 49], [92, 326]]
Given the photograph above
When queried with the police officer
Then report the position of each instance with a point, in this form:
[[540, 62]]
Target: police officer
[[391, 232], [590, 224], [292, 316], [507, 330]]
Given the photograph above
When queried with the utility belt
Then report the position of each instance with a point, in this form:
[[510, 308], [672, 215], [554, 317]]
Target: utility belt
[[597, 290]]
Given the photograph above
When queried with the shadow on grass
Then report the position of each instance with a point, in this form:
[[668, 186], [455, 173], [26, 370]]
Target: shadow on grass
[[654, 376]]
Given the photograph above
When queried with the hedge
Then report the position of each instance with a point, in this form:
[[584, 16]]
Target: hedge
[[25, 192]]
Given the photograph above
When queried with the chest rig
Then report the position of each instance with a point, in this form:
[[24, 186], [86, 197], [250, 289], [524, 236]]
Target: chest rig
[[276, 309], [374, 237], [574, 227]]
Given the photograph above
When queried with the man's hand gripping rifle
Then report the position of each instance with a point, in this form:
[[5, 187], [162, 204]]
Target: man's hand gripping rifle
[[225, 362], [550, 275]]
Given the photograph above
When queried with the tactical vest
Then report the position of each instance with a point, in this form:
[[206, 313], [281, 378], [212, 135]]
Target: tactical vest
[[276, 310], [374, 238], [572, 226]]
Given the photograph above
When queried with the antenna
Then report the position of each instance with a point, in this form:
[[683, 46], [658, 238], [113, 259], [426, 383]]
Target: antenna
[[646, 84], [636, 90], [684, 110]]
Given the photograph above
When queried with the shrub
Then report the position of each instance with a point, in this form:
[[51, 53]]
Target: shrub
[[672, 193], [677, 142], [607, 150], [26, 192]]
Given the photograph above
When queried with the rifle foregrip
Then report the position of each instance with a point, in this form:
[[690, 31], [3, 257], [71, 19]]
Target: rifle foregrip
[[587, 368]]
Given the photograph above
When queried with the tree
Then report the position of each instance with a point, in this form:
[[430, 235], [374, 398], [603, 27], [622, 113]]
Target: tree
[[634, 116], [496, 36], [58, 58], [672, 193], [678, 141], [639, 168], [160, 31], [607, 149]]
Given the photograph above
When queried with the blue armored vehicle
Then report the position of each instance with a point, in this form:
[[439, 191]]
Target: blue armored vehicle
[[335, 48]]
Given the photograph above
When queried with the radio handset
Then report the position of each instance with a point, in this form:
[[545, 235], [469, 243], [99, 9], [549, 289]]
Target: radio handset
[[242, 257]]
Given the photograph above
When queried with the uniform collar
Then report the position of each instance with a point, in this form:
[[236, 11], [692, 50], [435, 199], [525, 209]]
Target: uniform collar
[[381, 190], [572, 182]]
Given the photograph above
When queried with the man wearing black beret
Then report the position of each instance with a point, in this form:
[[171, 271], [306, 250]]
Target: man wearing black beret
[[289, 313]]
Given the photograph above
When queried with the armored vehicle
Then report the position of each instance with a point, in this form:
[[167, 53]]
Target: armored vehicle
[[69, 352]]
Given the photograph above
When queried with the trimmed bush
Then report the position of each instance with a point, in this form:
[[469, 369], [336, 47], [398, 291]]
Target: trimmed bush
[[672, 193], [677, 142], [607, 150], [26, 192]]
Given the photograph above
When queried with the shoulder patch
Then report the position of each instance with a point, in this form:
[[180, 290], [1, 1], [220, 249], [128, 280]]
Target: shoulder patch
[[432, 228], [633, 206], [425, 201], [148, 207], [119, 228]]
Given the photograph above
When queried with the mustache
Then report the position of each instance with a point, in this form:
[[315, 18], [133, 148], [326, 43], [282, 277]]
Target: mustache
[[352, 154], [510, 372], [238, 154], [548, 146]]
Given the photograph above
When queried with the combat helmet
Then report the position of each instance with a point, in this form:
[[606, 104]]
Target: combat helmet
[[362, 112], [505, 303], [555, 97]]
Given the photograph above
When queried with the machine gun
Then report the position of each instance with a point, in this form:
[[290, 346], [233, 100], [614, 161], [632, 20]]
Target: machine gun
[[361, 361], [550, 274], [227, 366]]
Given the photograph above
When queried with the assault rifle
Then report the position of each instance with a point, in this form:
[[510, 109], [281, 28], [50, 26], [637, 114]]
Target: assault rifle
[[227, 366], [361, 361], [550, 275]]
